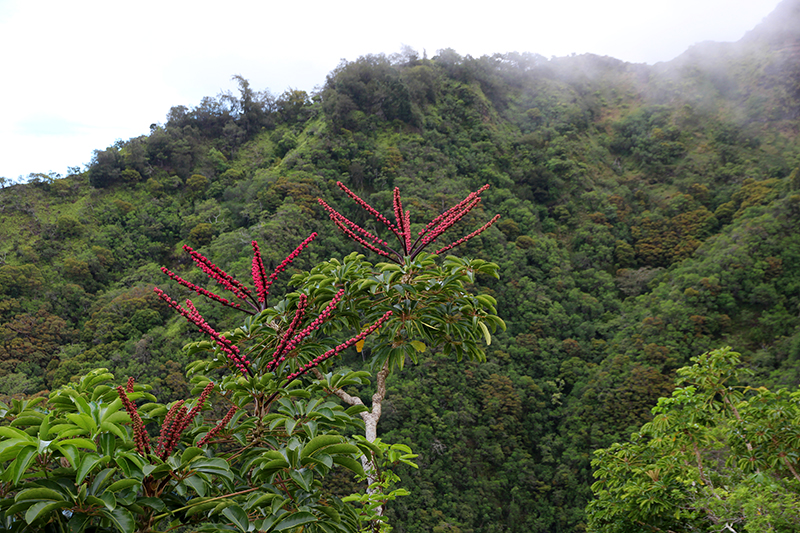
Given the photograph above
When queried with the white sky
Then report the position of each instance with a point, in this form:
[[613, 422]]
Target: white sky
[[77, 75]]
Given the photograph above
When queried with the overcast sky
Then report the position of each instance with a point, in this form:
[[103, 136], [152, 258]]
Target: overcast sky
[[78, 75]]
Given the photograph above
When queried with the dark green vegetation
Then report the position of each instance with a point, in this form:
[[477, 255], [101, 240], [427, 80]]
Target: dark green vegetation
[[649, 214]]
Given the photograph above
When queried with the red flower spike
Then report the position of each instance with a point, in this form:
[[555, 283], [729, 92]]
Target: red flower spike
[[368, 208], [216, 429], [402, 227], [335, 351], [259, 274], [177, 420], [298, 317], [129, 385], [193, 316], [202, 291], [362, 242], [407, 235], [174, 433], [170, 421], [350, 227], [295, 341], [140, 436], [198, 406], [261, 282], [218, 275], [399, 216], [286, 262], [290, 339], [468, 237], [456, 208], [447, 222]]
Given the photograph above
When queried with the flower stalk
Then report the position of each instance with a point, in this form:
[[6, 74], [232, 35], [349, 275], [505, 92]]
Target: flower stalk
[[401, 227], [177, 420], [193, 315], [261, 281]]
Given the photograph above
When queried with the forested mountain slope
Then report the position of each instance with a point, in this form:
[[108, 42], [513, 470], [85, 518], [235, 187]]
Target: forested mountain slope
[[648, 214]]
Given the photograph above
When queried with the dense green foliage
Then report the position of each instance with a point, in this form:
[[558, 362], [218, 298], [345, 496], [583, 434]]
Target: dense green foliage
[[648, 214], [717, 456], [84, 459]]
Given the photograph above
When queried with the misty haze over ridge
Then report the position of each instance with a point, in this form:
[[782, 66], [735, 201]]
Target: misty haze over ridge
[[782, 23]]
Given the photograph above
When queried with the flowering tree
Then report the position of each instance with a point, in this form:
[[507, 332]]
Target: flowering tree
[[84, 459], [251, 451], [431, 301]]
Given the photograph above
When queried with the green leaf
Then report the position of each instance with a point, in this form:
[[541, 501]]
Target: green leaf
[[22, 462], [38, 493], [8, 449], [486, 336], [70, 452], [419, 346], [121, 518], [292, 520], [200, 507], [89, 461], [349, 463], [189, 454], [115, 429], [83, 420], [259, 499], [318, 443], [325, 461], [331, 513], [356, 409], [122, 484], [109, 500], [214, 466], [100, 479], [26, 421], [78, 522], [43, 508], [197, 484], [304, 478], [12, 433], [236, 514], [81, 443]]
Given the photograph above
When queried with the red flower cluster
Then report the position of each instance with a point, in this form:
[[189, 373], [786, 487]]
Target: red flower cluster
[[402, 225], [216, 429], [259, 303], [217, 274], [260, 280], [193, 316], [140, 436], [290, 341], [357, 233], [260, 275], [334, 351], [177, 420]]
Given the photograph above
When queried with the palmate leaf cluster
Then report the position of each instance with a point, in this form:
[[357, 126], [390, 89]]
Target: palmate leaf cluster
[[430, 301], [70, 464]]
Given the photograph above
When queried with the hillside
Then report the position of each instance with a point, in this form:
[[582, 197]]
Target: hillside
[[649, 214]]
